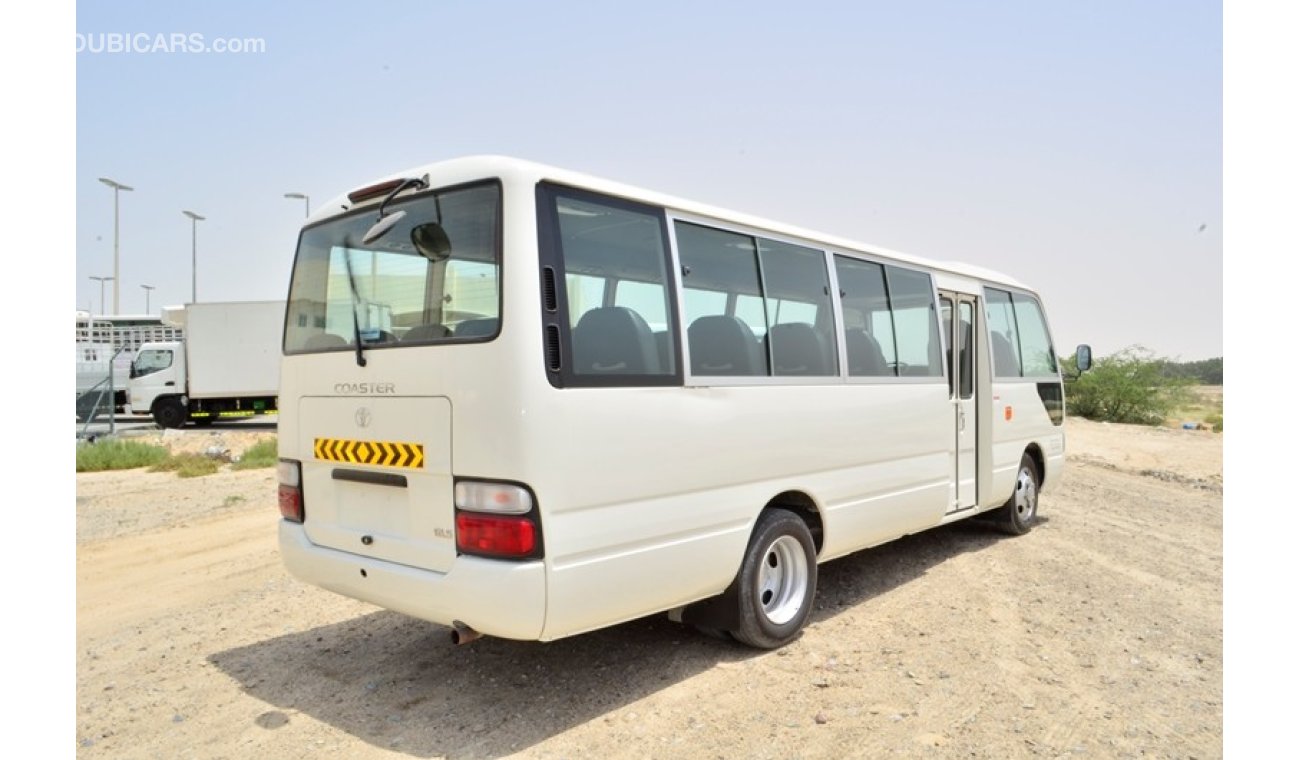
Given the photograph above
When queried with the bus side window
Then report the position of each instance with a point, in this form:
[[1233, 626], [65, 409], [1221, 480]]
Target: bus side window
[[613, 256], [1003, 338], [868, 325], [916, 325], [725, 313], [797, 288], [1037, 355], [1018, 333]]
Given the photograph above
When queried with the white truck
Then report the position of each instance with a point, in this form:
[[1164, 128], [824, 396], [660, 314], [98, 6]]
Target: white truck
[[228, 364]]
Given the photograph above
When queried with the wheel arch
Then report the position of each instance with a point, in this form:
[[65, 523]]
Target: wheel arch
[[720, 612], [1035, 454], [806, 508]]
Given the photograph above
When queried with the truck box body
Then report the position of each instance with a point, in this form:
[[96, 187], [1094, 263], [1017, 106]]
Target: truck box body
[[227, 366], [231, 349]]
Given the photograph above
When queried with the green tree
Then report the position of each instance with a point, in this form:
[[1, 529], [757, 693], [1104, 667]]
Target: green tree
[[1205, 371], [1128, 386]]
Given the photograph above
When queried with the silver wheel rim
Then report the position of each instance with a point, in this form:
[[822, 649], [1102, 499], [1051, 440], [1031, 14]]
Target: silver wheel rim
[[1026, 495], [783, 580]]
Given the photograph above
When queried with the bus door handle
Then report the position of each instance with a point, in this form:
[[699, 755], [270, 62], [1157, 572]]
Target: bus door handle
[[170, 382], [961, 420]]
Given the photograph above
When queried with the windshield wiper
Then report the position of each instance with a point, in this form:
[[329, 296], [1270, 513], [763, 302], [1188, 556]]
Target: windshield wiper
[[382, 225], [356, 299]]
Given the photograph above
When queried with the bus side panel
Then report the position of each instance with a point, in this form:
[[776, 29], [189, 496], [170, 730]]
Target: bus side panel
[[649, 495], [1020, 420]]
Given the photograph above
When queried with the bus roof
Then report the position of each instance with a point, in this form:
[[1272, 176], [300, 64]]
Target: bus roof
[[471, 168]]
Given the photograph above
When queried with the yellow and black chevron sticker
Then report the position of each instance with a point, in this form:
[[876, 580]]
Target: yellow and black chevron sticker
[[382, 453]]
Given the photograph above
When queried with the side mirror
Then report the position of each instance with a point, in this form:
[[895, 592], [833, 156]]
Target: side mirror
[[1083, 357]]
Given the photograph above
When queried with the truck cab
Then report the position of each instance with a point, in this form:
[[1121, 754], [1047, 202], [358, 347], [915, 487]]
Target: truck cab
[[157, 383]]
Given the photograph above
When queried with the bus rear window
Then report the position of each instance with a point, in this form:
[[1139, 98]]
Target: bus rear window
[[388, 293]]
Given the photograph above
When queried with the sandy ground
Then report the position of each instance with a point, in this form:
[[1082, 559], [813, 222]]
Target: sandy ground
[[1099, 634]]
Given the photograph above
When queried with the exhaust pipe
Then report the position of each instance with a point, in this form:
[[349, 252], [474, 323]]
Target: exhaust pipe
[[463, 634]]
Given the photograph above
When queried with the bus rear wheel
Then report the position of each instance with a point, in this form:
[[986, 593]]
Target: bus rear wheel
[[778, 580], [1017, 515]]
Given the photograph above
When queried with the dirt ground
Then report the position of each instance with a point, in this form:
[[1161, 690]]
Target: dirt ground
[[1098, 634]]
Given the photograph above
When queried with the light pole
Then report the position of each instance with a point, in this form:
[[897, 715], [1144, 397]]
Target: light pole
[[147, 288], [117, 186], [194, 254], [103, 280], [306, 202]]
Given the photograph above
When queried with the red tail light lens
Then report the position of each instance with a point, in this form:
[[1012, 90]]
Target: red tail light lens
[[290, 475], [495, 536], [291, 503]]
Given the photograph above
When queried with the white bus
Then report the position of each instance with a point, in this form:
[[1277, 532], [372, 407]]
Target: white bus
[[526, 402]]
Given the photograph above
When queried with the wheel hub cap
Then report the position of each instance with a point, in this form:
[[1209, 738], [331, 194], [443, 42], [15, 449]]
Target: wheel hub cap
[[783, 580]]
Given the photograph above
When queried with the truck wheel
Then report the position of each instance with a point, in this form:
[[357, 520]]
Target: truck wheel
[[777, 581], [169, 413]]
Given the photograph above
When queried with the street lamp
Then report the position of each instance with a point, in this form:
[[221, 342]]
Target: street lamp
[[194, 254], [117, 186], [306, 202], [103, 280], [147, 288]]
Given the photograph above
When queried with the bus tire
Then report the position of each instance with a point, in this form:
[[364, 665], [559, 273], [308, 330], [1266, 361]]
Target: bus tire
[[169, 413], [1017, 515], [778, 580]]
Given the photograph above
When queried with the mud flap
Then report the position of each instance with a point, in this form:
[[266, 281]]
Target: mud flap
[[721, 612]]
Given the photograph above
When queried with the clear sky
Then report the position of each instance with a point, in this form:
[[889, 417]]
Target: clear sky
[[1077, 146]]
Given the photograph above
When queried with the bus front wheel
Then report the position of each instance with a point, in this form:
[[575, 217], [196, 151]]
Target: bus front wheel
[[1017, 515], [778, 579]]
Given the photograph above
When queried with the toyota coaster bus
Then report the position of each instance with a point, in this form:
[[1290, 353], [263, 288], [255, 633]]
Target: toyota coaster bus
[[525, 402]]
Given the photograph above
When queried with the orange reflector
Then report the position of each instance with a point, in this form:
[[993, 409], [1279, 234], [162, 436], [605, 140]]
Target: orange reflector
[[1007, 413]]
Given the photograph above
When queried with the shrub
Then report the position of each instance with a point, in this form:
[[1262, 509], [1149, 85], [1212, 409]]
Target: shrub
[[1125, 387], [117, 455], [187, 465], [261, 454]]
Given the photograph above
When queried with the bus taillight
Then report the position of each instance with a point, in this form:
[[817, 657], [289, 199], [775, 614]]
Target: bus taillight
[[496, 519], [492, 536], [290, 476]]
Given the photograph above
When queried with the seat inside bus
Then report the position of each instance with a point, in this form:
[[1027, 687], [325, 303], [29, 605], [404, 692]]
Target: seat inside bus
[[724, 345], [614, 340], [476, 328], [798, 349], [866, 358], [427, 332]]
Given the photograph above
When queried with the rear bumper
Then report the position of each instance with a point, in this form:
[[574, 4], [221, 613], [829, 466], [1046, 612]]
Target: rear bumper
[[497, 598]]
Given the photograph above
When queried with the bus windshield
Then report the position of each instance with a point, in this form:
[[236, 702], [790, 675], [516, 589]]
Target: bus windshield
[[386, 293]]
